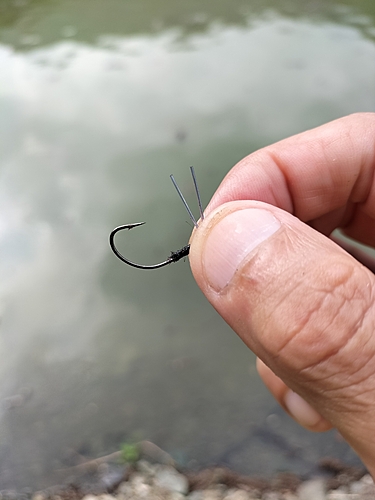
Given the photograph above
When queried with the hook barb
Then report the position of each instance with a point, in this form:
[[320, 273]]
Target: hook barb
[[174, 257]]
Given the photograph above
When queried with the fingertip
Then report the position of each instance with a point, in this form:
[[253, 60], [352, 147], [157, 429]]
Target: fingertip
[[301, 411]]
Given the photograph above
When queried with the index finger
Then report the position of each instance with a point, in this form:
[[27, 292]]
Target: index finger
[[324, 176]]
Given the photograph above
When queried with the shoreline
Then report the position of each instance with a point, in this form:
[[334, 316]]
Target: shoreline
[[106, 479]]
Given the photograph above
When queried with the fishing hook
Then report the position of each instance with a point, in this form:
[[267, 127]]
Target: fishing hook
[[178, 254]]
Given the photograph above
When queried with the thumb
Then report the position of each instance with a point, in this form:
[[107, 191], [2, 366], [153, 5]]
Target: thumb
[[301, 303]]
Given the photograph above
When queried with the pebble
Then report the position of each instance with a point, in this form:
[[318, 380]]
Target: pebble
[[237, 494], [170, 479], [100, 497], [38, 496], [342, 495], [272, 495], [364, 487], [210, 494], [312, 490], [146, 468], [195, 495], [152, 481]]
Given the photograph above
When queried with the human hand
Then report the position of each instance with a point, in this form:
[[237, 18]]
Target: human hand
[[298, 300]]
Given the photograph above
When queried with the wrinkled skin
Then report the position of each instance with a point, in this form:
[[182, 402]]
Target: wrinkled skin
[[303, 304]]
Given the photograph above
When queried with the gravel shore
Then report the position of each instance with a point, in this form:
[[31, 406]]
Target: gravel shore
[[145, 480]]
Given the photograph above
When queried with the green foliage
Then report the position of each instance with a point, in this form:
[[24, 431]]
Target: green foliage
[[129, 453]]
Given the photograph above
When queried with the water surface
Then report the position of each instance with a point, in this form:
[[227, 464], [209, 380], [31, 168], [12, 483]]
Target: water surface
[[99, 102]]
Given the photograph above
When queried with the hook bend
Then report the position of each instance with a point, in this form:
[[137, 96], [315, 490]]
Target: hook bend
[[174, 257]]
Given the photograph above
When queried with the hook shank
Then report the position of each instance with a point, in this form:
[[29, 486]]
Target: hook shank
[[174, 257]]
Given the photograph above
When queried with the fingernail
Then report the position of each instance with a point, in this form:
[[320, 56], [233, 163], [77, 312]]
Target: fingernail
[[232, 239], [300, 410]]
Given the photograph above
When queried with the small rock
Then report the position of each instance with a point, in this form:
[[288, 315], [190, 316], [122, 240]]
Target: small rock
[[170, 479], [138, 479], [142, 489], [365, 488], [110, 476], [236, 494], [312, 490], [174, 495], [367, 479], [146, 468], [210, 494], [195, 495], [341, 495], [97, 497], [272, 495], [39, 495], [356, 487], [289, 496], [124, 489], [152, 453]]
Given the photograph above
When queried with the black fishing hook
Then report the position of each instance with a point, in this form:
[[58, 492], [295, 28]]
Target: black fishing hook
[[175, 256]]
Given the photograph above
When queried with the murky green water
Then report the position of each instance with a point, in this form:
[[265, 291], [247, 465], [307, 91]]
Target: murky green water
[[100, 100]]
